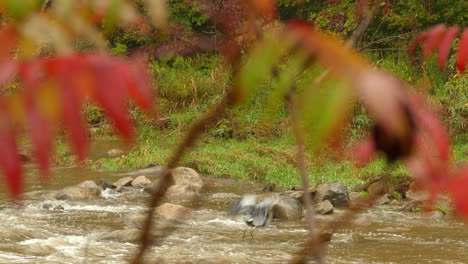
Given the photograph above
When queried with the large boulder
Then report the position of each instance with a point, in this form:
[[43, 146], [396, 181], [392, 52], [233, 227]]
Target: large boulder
[[336, 193], [182, 192], [187, 184], [183, 175], [287, 208], [324, 207], [83, 191], [140, 182]]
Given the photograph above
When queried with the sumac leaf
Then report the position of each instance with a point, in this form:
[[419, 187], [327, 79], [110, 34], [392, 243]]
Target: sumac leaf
[[434, 36], [445, 46], [110, 93], [462, 53], [10, 161], [457, 189], [8, 39], [65, 72]]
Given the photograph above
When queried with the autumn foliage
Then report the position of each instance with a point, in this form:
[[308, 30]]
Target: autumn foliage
[[55, 86], [439, 40]]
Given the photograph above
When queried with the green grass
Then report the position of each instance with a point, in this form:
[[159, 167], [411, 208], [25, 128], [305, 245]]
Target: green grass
[[261, 160], [243, 145]]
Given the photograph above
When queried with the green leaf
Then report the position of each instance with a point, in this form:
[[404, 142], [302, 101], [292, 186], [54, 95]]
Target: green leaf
[[323, 110], [264, 56]]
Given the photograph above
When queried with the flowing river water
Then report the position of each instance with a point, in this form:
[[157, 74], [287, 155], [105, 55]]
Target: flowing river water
[[40, 231]]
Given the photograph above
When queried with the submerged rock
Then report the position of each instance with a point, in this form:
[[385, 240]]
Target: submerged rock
[[336, 193], [287, 208], [126, 235], [353, 196], [182, 191], [435, 215], [362, 220], [225, 196], [384, 199], [173, 211]]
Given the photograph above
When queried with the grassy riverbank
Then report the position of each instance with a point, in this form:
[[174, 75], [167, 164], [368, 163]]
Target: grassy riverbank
[[245, 145]]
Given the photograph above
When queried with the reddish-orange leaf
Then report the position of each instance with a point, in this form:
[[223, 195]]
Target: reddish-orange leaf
[[40, 127], [8, 40], [7, 72], [363, 152], [111, 92], [138, 83], [328, 50], [10, 161], [41, 135], [416, 41], [65, 72], [458, 190], [462, 54], [434, 36], [445, 46], [263, 7], [433, 127]]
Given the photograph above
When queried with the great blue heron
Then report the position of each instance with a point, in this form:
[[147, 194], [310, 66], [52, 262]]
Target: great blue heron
[[255, 215]]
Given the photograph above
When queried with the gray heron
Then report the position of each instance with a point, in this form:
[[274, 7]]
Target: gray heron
[[255, 215]]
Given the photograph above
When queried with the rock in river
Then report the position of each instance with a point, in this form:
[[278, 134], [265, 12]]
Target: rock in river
[[83, 191], [140, 182], [287, 208], [336, 193]]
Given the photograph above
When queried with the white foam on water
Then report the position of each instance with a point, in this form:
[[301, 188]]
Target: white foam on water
[[110, 194], [104, 208], [225, 221]]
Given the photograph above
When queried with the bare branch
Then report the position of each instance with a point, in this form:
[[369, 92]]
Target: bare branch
[[299, 135]]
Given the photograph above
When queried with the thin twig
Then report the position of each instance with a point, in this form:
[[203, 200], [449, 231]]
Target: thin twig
[[45, 5], [385, 49], [313, 243], [359, 206], [299, 135], [351, 42], [166, 180], [401, 36]]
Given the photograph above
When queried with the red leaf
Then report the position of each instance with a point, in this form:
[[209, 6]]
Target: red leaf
[[434, 36], [7, 72], [65, 71], [40, 127], [433, 127], [110, 93], [363, 152], [10, 161], [462, 54], [416, 41], [445, 46], [458, 190], [8, 40], [138, 85]]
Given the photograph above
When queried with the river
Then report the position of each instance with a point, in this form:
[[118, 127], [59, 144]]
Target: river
[[35, 232]]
